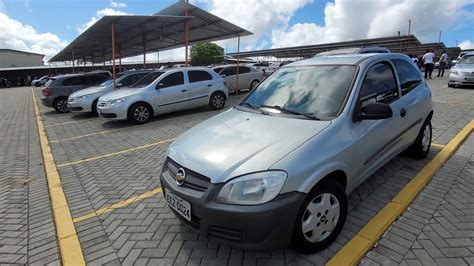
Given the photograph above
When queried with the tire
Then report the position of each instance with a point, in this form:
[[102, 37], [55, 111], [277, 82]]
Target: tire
[[329, 192], [60, 105], [94, 107], [253, 85], [421, 147], [217, 100], [140, 113]]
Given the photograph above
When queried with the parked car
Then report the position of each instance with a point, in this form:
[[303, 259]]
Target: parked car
[[356, 50], [463, 72], [262, 66], [249, 77], [40, 82], [165, 91], [85, 100], [57, 90], [278, 167]]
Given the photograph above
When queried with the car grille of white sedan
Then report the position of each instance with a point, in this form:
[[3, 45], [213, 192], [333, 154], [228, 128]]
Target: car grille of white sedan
[[468, 74]]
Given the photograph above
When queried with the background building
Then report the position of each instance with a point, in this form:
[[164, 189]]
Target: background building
[[15, 58]]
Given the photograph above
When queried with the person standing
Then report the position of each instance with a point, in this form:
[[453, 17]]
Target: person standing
[[428, 61], [443, 60]]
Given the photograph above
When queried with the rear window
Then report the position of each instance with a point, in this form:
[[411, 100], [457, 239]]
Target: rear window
[[94, 80], [198, 75], [75, 81]]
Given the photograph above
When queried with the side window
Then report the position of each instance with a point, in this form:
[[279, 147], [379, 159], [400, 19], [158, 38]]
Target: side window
[[173, 79], [409, 76], [230, 71], [197, 76], [379, 85], [243, 70], [94, 80], [73, 81]]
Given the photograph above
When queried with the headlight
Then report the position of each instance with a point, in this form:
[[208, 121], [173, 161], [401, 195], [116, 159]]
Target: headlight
[[116, 102], [82, 98], [252, 189], [454, 72]]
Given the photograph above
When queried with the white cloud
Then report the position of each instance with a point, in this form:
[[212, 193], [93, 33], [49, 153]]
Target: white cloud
[[99, 14], [348, 20], [16, 35], [466, 44], [117, 5]]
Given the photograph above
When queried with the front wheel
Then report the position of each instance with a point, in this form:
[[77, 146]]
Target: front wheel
[[60, 105], [253, 85], [140, 113], [217, 101], [94, 107], [321, 217], [420, 148]]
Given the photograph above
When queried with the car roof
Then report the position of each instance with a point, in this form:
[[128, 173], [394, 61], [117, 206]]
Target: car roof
[[345, 59]]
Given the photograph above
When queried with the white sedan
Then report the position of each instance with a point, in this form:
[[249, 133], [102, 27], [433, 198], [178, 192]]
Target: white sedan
[[249, 77]]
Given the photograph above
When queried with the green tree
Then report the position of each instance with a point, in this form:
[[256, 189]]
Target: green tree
[[206, 53]]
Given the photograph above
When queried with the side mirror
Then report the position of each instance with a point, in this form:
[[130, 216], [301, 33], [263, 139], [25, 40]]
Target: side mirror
[[376, 111], [159, 86]]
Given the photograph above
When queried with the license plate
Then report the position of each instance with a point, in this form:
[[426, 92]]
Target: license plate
[[178, 204]]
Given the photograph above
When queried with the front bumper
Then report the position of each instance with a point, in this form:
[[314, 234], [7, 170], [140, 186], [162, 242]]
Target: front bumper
[[264, 226], [460, 80], [84, 106], [115, 112]]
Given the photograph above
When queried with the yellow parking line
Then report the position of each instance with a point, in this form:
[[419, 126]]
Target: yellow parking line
[[69, 245], [118, 205], [84, 136], [115, 153], [70, 122], [354, 250], [436, 145]]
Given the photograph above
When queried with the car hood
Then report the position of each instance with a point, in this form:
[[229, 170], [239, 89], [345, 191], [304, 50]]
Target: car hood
[[90, 90], [235, 142], [464, 67], [120, 93]]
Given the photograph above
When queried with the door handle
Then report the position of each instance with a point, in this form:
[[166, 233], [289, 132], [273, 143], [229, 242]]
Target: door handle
[[184, 90], [209, 85], [403, 112]]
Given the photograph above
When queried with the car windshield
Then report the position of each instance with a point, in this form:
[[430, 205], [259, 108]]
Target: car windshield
[[109, 81], [318, 91], [218, 69], [467, 59], [146, 80]]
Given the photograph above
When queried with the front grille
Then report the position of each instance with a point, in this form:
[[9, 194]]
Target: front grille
[[193, 181], [468, 74], [225, 233]]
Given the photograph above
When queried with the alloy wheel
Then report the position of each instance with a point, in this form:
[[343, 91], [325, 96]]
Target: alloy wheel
[[218, 101], [425, 141], [61, 105], [141, 114], [320, 217]]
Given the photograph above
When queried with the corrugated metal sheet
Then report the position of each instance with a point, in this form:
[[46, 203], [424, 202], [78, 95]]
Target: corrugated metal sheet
[[136, 34]]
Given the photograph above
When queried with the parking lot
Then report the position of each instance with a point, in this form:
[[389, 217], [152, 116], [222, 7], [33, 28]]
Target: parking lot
[[110, 170]]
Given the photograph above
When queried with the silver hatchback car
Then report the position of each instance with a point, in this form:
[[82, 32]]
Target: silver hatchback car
[[277, 168], [163, 92]]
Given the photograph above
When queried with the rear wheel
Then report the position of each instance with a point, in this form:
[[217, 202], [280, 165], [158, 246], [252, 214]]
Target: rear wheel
[[420, 148], [140, 113], [60, 105], [253, 85], [217, 100], [321, 217]]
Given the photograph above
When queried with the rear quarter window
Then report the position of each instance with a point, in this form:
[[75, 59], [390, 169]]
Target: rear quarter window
[[408, 75]]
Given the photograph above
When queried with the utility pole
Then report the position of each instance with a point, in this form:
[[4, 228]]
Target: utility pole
[[439, 38], [409, 26]]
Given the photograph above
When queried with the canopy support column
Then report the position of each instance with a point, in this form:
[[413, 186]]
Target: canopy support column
[[238, 62], [144, 51], [186, 34], [73, 63], [120, 58], [113, 55]]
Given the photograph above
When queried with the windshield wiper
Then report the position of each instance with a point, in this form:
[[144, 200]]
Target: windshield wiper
[[288, 111]]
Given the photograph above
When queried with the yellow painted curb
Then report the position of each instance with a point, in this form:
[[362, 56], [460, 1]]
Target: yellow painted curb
[[354, 250], [69, 246]]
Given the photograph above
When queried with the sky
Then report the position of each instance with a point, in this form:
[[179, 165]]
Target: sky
[[47, 26]]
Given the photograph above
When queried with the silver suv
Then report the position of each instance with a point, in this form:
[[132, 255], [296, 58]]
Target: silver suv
[[278, 167], [86, 100], [165, 91], [57, 90]]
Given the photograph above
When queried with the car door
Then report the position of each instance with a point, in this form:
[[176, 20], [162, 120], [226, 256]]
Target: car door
[[171, 93], [376, 140], [199, 85], [229, 75], [412, 97], [245, 77]]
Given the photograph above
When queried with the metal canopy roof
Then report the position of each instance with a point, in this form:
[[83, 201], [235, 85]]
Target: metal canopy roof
[[135, 35]]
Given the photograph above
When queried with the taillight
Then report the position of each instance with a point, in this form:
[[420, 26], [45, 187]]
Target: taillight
[[47, 91]]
